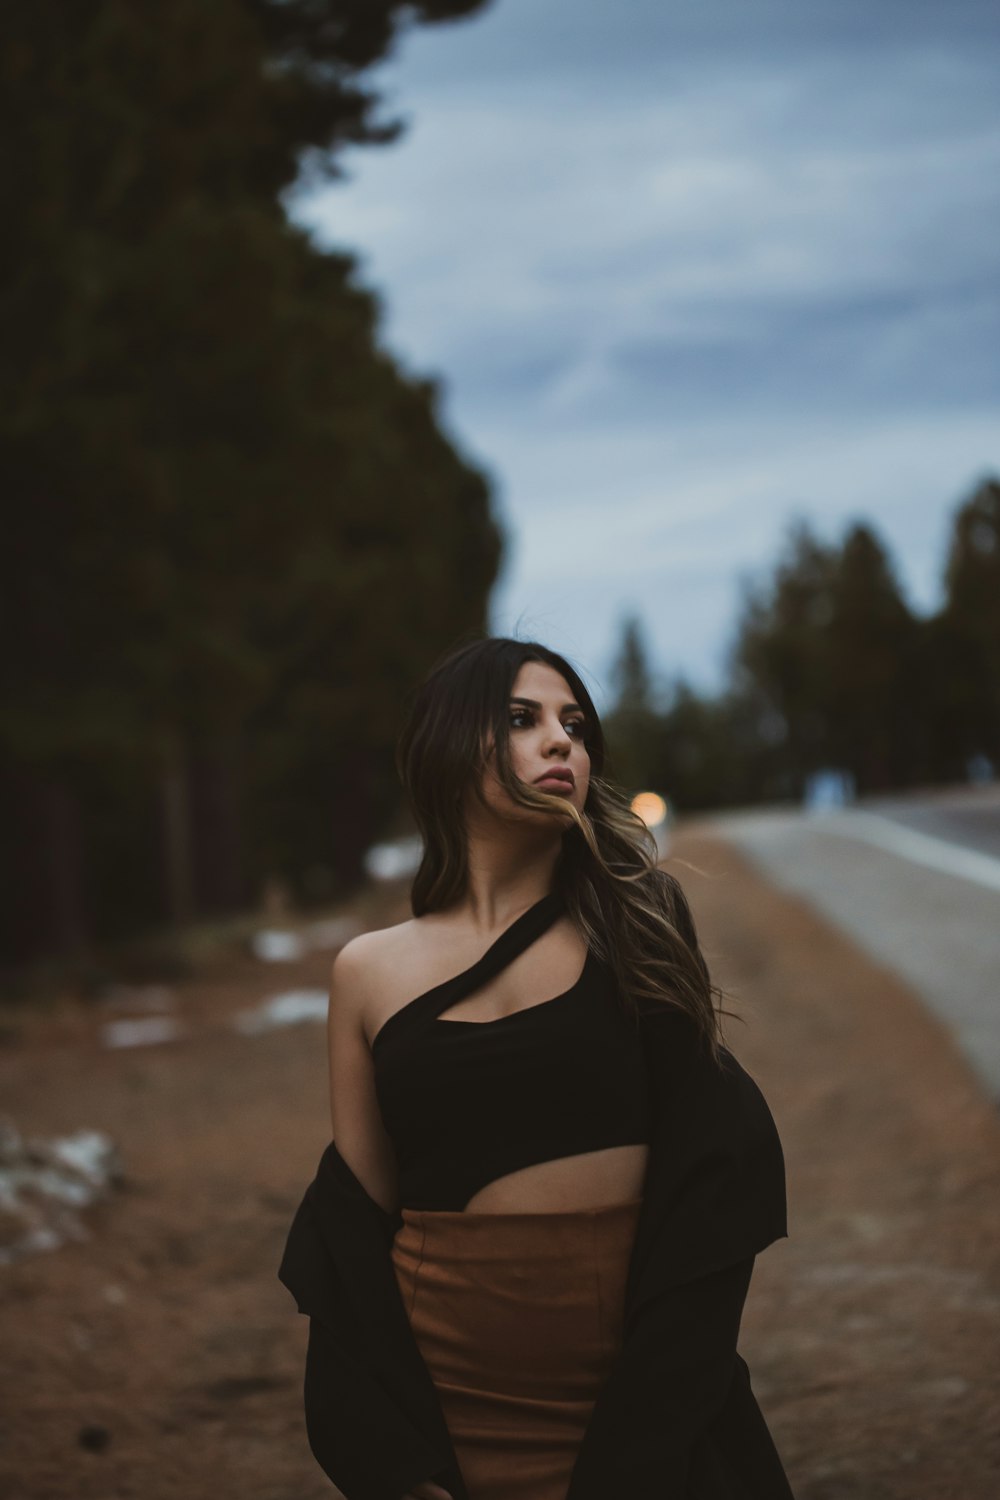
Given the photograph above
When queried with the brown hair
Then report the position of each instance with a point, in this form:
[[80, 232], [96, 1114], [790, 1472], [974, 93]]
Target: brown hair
[[633, 914]]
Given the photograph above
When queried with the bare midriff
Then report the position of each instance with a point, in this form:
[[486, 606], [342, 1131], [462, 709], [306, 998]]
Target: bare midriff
[[591, 1179]]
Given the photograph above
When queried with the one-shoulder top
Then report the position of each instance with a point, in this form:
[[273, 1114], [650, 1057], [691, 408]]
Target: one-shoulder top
[[466, 1102]]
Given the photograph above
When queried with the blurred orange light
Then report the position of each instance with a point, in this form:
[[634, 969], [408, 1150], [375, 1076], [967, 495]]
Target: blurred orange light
[[650, 807]]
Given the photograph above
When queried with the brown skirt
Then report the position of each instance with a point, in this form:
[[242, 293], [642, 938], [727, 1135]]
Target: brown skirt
[[518, 1317]]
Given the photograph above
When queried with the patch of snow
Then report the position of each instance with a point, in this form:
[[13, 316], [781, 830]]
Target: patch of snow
[[144, 1031], [282, 944], [274, 945], [390, 861], [286, 1009], [43, 1182], [91, 1153]]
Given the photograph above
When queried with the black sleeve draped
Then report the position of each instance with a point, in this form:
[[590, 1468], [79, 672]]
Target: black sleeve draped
[[676, 1418], [373, 1418]]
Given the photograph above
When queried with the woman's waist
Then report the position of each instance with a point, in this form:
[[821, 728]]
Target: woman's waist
[[553, 1237], [518, 1177]]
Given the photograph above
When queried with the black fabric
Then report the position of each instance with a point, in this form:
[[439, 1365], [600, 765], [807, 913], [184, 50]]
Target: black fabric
[[573, 1063], [373, 1418], [677, 1418], [669, 1386], [715, 1184], [385, 1456]]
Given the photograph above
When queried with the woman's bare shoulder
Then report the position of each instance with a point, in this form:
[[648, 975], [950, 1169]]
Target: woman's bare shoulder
[[374, 965], [367, 952]]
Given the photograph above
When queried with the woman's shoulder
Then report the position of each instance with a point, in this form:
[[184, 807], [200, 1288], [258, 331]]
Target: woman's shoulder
[[386, 948], [369, 957], [378, 967]]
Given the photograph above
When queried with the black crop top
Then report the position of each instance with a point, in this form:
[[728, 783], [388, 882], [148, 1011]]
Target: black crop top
[[465, 1102]]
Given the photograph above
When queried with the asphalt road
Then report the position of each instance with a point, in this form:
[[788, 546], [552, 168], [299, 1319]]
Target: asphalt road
[[915, 881], [970, 819]]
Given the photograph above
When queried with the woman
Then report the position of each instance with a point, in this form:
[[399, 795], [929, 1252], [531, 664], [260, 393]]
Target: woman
[[526, 1251]]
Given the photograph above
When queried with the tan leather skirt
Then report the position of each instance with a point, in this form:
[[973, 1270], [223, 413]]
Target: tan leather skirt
[[518, 1317]]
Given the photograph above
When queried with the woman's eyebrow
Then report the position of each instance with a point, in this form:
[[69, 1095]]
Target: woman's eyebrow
[[533, 703]]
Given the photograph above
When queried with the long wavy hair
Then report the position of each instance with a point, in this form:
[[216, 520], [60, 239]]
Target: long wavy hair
[[633, 914]]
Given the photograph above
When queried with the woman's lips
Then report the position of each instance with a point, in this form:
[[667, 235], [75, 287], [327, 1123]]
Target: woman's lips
[[555, 784]]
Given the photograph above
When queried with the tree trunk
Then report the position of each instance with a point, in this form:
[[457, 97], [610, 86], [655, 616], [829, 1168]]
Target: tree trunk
[[62, 846], [216, 797], [176, 826]]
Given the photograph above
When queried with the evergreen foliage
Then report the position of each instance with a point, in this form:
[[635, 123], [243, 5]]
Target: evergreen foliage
[[236, 531], [830, 668]]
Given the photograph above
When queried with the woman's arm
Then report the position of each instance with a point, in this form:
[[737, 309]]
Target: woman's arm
[[359, 1436], [355, 1118]]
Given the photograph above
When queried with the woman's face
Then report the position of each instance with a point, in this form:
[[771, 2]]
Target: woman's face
[[546, 737]]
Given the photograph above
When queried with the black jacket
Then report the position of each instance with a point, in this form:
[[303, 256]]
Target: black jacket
[[676, 1418]]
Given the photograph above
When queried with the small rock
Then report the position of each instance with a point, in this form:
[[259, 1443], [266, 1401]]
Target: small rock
[[93, 1437]]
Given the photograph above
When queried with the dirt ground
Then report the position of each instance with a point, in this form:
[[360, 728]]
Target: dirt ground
[[161, 1358]]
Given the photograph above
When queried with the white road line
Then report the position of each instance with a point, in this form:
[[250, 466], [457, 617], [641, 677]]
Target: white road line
[[919, 848]]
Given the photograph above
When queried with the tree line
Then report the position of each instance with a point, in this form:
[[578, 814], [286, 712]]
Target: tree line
[[235, 529], [830, 668]]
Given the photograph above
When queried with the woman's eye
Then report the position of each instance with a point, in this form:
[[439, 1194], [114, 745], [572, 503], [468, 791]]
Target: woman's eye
[[578, 726]]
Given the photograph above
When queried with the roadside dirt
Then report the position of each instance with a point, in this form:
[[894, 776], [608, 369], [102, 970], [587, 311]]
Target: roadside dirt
[[161, 1358]]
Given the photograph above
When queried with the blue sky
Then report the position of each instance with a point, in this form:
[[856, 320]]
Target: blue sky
[[688, 269]]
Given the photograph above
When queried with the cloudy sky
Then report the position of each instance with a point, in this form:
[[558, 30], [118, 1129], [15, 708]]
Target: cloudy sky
[[690, 268]]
